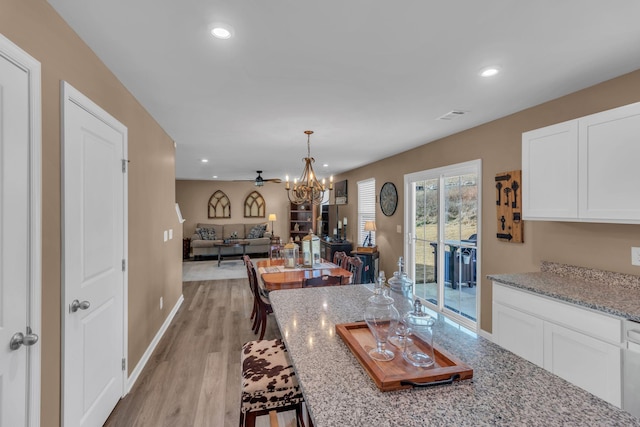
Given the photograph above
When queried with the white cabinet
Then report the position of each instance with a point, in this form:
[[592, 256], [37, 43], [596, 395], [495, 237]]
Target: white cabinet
[[518, 332], [587, 362], [584, 169], [550, 172], [577, 344]]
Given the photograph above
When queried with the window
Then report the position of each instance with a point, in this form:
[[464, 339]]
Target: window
[[366, 208]]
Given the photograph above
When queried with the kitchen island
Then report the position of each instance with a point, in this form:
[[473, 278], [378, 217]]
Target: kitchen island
[[505, 389]]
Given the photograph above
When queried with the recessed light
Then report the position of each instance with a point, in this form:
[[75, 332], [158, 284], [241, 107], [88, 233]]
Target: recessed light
[[326, 165], [489, 71], [214, 176], [221, 31], [205, 160]]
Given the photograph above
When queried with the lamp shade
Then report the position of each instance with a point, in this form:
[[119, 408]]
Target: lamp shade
[[369, 226], [272, 217]]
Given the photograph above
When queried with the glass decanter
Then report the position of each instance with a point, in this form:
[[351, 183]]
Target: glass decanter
[[381, 317], [401, 290], [420, 323]]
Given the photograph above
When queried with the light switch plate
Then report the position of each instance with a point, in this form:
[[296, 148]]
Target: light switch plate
[[635, 256], [166, 237], [170, 233]]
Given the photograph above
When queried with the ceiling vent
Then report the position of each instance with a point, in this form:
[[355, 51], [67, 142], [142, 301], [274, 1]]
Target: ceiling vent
[[451, 115]]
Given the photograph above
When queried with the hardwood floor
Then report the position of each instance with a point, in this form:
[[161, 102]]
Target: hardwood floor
[[193, 376]]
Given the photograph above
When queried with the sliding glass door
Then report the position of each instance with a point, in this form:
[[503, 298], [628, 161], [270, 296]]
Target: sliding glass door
[[442, 251]]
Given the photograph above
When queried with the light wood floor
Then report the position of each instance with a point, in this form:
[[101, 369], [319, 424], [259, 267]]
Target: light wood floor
[[193, 376]]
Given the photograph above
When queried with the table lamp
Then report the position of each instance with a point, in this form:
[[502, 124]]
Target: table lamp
[[272, 218], [369, 226]]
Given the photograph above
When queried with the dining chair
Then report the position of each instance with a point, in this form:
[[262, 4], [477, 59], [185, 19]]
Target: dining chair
[[325, 280], [354, 265], [275, 251], [269, 383], [339, 258], [254, 311], [262, 301]]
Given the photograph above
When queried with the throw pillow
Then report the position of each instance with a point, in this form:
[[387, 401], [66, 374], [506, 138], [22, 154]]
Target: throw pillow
[[257, 231], [206, 233]]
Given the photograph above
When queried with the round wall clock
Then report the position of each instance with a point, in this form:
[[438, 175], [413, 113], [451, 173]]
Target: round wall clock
[[388, 198]]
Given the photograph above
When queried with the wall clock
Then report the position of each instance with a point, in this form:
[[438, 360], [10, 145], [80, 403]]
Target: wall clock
[[388, 198]]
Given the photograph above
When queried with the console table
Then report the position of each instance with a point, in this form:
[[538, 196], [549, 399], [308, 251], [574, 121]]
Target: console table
[[327, 249]]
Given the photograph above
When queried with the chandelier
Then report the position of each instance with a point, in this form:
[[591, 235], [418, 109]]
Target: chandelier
[[307, 188]]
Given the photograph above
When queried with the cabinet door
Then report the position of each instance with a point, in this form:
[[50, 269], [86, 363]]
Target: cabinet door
[[550, 172], [584, 361], [519, 333], [609, 150]]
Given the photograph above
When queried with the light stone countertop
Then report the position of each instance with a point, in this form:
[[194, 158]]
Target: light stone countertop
[[506, 390], [608, 292]]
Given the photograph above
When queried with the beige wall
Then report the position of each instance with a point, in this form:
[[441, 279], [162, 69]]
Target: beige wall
[[498, 144], [155, 269], [193, 198]]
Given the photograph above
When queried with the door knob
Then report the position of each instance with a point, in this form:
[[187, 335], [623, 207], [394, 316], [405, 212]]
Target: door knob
[[77, 305], [19, 339]]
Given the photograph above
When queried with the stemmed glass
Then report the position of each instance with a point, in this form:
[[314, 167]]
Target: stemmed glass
[[381, 317]]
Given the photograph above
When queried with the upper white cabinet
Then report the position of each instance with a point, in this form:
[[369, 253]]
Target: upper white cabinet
[[550, 172], [584, 169]]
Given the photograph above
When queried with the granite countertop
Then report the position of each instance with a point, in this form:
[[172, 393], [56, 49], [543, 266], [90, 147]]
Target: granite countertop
[[505, 389], [608, 292]]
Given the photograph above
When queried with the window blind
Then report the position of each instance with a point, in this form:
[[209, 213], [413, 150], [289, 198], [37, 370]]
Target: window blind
[[366, 208]]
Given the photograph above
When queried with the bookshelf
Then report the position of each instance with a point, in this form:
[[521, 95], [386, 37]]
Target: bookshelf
[[301, 220]]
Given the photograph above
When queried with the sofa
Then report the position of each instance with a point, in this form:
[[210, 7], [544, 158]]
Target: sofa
[[205, 235]]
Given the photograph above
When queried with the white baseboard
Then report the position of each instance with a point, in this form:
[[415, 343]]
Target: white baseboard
[[485, 334], [147, 354]]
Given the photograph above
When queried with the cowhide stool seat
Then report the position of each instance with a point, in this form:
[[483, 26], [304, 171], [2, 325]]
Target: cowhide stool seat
[[269, 382]]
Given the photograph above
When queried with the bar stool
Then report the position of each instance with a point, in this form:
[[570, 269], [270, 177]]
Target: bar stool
[[269, 382]]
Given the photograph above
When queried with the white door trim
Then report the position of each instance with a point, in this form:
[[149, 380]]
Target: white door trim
[[32, 67], [70, 94]]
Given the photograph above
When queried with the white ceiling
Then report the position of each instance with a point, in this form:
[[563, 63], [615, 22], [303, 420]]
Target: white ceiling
[[370, 77]]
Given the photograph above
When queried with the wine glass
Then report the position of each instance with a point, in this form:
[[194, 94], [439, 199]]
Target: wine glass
[[381, 317]]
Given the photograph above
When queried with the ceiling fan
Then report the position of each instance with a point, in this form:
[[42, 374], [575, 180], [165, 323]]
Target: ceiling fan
[[259, 180]]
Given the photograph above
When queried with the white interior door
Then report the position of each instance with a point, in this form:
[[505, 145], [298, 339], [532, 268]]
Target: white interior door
[[94, 252], [19, 237]]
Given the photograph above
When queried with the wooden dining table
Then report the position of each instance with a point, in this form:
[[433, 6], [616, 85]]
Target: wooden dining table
[[275, 276]]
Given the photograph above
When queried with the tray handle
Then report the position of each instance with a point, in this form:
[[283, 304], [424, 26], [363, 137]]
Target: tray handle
[[432, 383]]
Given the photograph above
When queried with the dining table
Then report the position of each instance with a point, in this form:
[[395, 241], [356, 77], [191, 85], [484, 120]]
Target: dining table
[[505, 390], [276, 276]]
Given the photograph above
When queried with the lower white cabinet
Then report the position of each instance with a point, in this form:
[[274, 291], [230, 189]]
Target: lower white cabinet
[[519, 333], [579, 345], [587, 362]]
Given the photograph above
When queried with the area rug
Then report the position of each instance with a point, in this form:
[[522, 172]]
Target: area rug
[[208, 270]]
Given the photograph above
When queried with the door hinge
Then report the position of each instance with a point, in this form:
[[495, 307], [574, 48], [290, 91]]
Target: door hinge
[[124, 363], [124, 265], [124, 165]]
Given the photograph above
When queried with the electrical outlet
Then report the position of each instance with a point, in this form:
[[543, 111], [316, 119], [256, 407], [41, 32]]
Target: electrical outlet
[[398, 228], [635, 256], [161, 303]]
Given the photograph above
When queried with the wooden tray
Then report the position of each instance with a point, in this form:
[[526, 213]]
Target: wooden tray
[[399, 374]]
